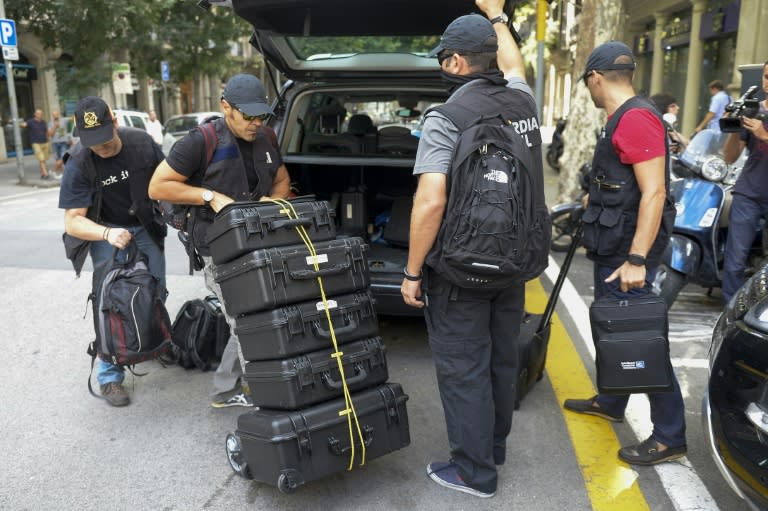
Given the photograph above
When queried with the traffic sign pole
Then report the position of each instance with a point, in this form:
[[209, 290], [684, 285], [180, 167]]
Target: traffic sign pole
[[12, 99]]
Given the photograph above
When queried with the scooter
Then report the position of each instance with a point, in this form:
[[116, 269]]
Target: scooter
[[555, 149], [697, 244]]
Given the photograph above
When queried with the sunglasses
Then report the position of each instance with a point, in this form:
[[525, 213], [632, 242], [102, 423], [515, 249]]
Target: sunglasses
[[586, 78], [444, 55], [249, 118]]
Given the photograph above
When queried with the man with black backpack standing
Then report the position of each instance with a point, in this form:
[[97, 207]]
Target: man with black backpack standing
[[479, 229], [234, 158], [627, 222], [104, 195]]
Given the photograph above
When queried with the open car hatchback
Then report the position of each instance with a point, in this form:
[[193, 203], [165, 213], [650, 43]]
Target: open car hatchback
[[348, 117]]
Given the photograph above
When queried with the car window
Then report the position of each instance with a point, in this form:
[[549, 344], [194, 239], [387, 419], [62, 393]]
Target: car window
[[137, 122], [175, 125]]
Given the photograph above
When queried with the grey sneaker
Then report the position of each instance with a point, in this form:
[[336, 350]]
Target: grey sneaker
[[239, 399], [115, 394]]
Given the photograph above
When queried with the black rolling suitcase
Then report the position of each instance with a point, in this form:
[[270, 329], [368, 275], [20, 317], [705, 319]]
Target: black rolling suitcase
[[242, 227], [303, 327], [290, 448], [273, 277], [535, 330], [313, 377]]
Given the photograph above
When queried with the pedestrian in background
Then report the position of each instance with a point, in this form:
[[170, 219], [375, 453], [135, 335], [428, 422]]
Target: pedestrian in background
[[246, 165], [473, 333], [668, 107], [155, 128], [720, 99], [750, 194], [37, 129], [629, 181], [116, 164], [60, 138]]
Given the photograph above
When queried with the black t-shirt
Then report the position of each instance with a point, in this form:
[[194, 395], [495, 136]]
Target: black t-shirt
[[188, 156], [76, 191], [38, 131]]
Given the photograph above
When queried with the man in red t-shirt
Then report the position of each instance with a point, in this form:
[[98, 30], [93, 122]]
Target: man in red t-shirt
[[629, 182]]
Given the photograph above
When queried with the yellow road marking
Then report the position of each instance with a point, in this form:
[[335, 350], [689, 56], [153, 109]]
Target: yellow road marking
[[610, 483]]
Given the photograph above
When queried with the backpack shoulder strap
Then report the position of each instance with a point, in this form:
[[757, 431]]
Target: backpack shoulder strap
[[461, 116], [208, 131]]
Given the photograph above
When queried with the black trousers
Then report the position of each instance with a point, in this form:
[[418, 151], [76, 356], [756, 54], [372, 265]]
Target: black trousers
[[473, 336]]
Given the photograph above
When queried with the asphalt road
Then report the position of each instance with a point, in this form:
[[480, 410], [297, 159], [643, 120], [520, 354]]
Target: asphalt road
[[63, 449]]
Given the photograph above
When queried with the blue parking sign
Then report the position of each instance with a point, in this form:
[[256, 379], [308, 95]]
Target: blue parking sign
[[7, 32], [165, 71]]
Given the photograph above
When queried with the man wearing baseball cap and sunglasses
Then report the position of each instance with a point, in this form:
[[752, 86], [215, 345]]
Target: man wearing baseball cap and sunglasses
[[245, 164], [627, 223]]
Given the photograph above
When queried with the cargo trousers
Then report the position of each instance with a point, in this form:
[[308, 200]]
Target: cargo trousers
[[473, 336]]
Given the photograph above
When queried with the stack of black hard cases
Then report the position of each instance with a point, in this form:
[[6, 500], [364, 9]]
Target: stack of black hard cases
[[269, 282]]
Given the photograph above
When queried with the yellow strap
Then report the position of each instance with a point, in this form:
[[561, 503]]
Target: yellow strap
[[349, 409]]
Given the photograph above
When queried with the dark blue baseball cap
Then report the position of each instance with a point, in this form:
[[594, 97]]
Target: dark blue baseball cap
[[471, 33], [604, 57], [246, 93]]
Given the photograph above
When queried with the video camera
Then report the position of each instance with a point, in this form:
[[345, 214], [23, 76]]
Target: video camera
[[746, 106]]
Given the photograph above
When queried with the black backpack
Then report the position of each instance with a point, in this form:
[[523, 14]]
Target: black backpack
[[132, 323], [200, 333], [496, 228]]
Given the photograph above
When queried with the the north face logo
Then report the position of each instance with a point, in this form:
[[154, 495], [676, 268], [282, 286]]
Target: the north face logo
[[496, 175]]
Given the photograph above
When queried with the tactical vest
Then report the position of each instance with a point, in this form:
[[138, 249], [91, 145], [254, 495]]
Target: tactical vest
[[140, 146], [610, 219], [226, 174]]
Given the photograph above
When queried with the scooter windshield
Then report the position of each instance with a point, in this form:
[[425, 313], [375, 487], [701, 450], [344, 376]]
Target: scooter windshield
[[705, 144]]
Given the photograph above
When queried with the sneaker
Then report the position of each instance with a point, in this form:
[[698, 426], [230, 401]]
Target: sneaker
[[239, 399], [586, 406], [647, 453], [57, 175], [115, 394], [446, 474]]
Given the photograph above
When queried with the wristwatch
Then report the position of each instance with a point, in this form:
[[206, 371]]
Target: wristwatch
[[501, 18], [636, 260], [207, 196]]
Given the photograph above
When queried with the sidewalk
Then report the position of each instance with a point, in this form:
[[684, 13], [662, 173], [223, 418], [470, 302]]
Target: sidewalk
[[9, 176]]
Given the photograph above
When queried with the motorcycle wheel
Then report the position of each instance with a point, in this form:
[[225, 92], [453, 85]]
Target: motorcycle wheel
[[668, 283], [563, 227], [553, 159]]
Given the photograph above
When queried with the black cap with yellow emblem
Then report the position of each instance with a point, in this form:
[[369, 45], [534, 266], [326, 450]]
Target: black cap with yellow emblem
[[93, 120]]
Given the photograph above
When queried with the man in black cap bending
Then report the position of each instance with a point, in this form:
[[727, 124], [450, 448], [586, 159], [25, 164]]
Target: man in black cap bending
[[104, 195], [629, 181], [234, 158], [473, 333]]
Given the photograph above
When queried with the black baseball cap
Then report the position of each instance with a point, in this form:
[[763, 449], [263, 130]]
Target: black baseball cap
[[471, 33], [603, 58], [93, 120], [247, 94]]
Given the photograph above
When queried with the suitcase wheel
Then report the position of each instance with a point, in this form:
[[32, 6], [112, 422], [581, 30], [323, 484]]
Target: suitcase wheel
[[285, 484], [236, 457]]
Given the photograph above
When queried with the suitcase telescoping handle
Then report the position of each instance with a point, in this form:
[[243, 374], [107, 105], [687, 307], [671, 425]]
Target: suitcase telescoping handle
[[321, 332], [361, 374], [288, 223], [311, 274], [334, 445]]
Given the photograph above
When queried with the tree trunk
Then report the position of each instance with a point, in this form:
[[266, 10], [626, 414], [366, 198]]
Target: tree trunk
[[599, 21]]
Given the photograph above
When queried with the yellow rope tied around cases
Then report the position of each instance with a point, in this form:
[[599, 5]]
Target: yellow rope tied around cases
[[349, 409]]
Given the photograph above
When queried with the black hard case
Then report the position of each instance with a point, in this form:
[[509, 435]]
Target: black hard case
[[270, 278], [386, 264], [308, 379], [631, 345], [242, 227], [303, 327], [290, 448]]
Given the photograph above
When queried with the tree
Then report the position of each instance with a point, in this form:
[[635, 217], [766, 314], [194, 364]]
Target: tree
[[93, 34], [599, 21]]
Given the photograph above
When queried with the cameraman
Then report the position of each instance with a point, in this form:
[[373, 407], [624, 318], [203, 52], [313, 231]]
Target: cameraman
[[750, 194]]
